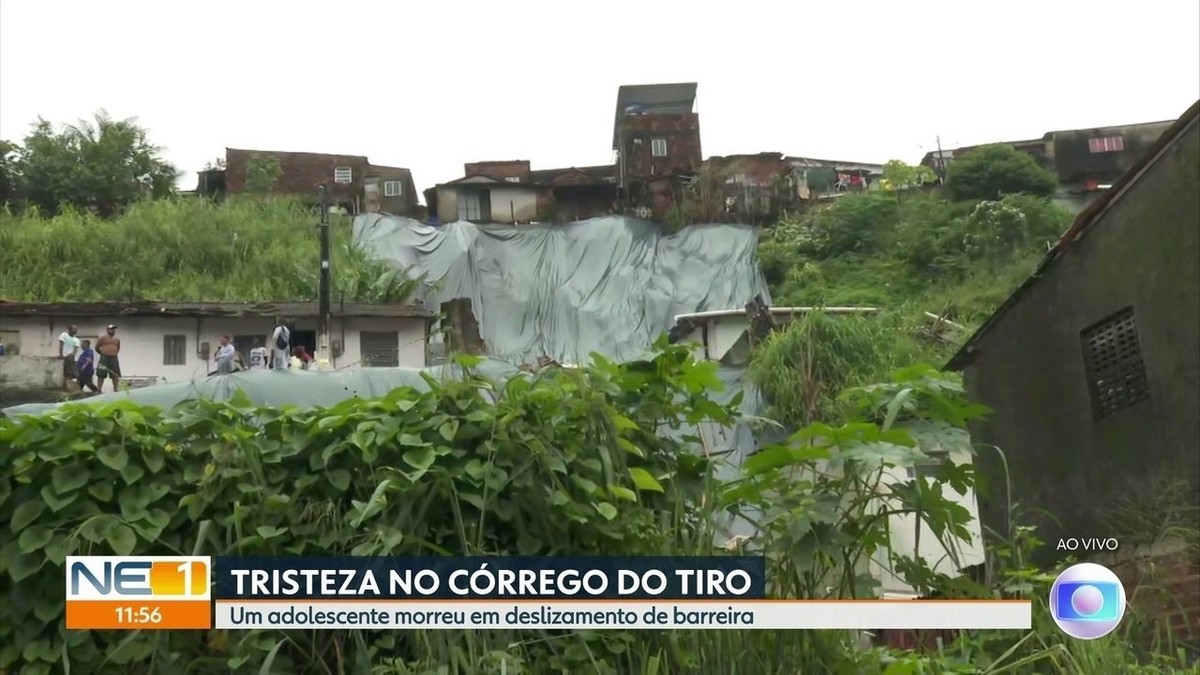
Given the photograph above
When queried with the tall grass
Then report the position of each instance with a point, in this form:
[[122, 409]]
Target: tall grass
[[185, 250]]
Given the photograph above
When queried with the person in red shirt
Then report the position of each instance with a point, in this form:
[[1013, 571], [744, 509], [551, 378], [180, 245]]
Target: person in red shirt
[[305, 358]]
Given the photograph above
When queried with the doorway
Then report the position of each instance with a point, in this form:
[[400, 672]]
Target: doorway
[[305, 338]]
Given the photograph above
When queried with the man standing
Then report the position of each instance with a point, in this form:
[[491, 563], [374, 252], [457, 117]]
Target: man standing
[[281, 345], [68, 351], [109, 347], [225, 356]]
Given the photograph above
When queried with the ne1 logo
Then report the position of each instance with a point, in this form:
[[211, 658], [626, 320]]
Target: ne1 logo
[[138, 577]]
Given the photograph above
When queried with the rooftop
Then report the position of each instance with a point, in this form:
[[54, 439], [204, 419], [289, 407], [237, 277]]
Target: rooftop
[[222, 309]]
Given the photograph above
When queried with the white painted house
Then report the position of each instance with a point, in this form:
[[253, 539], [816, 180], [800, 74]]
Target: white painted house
[[173, 341], [723, 335]]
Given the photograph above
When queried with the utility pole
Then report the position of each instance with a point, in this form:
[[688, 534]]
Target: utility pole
[[323, 346], [941, 161]]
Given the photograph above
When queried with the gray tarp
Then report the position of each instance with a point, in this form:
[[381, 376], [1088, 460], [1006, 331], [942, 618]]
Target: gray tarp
[[281, 387], [610, 285]]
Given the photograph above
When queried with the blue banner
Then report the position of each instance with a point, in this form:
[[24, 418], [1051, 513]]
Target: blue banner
[[491, 577]]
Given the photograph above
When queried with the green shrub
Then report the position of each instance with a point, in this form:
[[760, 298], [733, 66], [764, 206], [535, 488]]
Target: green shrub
[[561, 464], [992, 171], [855, 223]]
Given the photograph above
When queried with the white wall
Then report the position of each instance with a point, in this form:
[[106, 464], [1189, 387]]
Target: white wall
[[142, 339], [904, 537], [513, 202]]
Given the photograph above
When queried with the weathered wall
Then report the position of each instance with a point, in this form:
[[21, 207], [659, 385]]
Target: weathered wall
[[447, 204], [142, 339], [681, 132], [514, 203], [402, 204], [300, 172], [22, 371], [516, 168], [507, 203], [1145, 253], [1075, 163]]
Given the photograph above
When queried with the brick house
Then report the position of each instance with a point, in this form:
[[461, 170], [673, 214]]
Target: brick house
[[354, 183], [656, 139], [512, 192]]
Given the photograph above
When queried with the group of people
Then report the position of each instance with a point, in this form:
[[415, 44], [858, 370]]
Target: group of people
[[90, 365], [281, 356], [85, 364]]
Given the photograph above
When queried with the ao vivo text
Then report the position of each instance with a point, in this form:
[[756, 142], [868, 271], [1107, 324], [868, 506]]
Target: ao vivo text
[[1086, 544]]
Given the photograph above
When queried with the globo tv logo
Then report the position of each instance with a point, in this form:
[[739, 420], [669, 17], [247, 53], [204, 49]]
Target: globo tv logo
[[1087, 601]]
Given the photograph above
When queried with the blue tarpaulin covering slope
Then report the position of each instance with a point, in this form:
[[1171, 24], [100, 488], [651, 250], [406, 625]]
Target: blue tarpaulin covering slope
[[610, 285]]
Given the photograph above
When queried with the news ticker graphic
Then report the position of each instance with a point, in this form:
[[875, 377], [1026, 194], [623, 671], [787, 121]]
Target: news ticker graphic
[[490, 578], [727, 592], [139, 592], [1087, 601], [625, 614]]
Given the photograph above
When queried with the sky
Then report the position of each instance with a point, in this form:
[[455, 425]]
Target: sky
[[432, 85]]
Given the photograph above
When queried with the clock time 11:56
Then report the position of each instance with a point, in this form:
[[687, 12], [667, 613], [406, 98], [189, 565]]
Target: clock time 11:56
[[138, 615]]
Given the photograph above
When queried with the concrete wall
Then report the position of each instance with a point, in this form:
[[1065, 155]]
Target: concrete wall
[[30, 372], [142, 339], [1143, 252], [514, 203]]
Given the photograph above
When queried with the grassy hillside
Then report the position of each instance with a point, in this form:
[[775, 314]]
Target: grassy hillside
[[919, 253], [910, 255], [185, 250]]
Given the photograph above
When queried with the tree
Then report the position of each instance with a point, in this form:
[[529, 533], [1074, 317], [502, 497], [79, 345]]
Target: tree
[[262, 172], [103, 164], [8, 170], [995, 170], [900, 176]]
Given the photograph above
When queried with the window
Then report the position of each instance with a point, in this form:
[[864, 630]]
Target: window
[[471, 207], [1106, 144], [392, 188], [512, 179], [658, 147], [11, 339], [1112, 358], [174, 350], [926, 468], [379, 349], [343, 174]]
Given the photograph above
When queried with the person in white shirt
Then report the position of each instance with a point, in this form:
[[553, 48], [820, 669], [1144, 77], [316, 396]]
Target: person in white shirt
[[68, 350], [281, 346], [258, 355], [226, 353]]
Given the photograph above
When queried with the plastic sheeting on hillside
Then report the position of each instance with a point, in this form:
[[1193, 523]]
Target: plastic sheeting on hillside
[[610, 285]]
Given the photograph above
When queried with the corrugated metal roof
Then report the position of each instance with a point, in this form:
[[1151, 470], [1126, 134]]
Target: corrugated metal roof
[[660, 98]]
